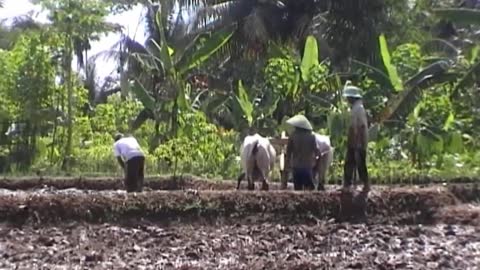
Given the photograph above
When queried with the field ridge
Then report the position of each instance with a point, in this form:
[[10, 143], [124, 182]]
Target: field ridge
[[191, 199]]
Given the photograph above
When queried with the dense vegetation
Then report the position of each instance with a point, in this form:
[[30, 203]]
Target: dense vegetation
[[189, 93]]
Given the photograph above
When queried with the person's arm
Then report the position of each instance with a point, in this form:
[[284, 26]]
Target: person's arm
[[315, 147], [361, 132], [351, 136], [117, 154], [120, 161], [288, 154]]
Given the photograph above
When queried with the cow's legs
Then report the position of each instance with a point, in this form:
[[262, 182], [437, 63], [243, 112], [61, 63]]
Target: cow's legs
[[264, 176], [322, 172], [239, 180], [251, 184]]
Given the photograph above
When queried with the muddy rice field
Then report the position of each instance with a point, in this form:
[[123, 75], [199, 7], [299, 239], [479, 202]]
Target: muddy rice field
[[192, 223]]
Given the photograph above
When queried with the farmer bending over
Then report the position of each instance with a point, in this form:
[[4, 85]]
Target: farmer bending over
[[357, 140], [301, 152], [131, 158]]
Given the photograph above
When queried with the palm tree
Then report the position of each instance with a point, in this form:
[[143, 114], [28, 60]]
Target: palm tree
[[157, 71], [19, 25]]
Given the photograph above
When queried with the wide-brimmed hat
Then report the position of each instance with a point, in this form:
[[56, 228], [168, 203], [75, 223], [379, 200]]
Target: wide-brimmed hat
[[352, 91], [300, 121]]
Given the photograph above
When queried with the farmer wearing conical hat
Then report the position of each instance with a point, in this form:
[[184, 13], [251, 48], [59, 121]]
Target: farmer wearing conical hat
[[357, 140], [131, 158], [301, 152]]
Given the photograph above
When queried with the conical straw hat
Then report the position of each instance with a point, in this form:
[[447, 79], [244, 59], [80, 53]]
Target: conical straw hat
[[300, 121]]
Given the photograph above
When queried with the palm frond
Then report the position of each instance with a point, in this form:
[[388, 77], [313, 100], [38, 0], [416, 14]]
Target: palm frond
[[80, 46], [191, 18], [352, 29], [150, 24], [25, 23], [90, 81], [441, 46], [459, 15], [113, 53]]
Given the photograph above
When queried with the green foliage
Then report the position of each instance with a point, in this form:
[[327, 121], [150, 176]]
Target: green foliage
[[281, 76], [421, 97], [407, 58], [202, 149]]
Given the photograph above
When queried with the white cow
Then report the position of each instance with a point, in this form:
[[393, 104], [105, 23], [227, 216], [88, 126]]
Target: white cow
[[323, 162], [258, 159]]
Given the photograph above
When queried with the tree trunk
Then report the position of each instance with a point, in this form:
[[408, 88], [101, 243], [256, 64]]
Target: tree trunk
[[68, 73], [156, 137]]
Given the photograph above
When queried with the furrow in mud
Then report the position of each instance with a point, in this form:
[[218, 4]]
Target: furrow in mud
[[253, 247]]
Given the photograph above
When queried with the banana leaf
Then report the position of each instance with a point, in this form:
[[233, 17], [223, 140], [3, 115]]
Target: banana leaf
[[391, 69], [163, 47], [434, 46], [142, 94], [194, 58], [459, 15], [399, 107], [244, 102], [310, 57]]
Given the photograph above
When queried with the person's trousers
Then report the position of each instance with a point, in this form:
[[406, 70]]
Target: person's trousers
[[303, 179], [134, 174], [356, 159]]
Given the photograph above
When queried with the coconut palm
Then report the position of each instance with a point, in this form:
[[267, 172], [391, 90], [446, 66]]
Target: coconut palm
[[18, 25]]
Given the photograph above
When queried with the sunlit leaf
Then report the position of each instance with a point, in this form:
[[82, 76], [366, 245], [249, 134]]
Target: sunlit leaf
[[310, 57], [391, 69], [244, 102]]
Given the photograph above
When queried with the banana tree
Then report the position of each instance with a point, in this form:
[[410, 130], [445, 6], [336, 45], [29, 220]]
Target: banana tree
[[168, 95], [407, 93]]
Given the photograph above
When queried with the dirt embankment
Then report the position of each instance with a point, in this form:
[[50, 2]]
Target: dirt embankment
[[192, 199], [406, 206], [110, 183], [193, 182]]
